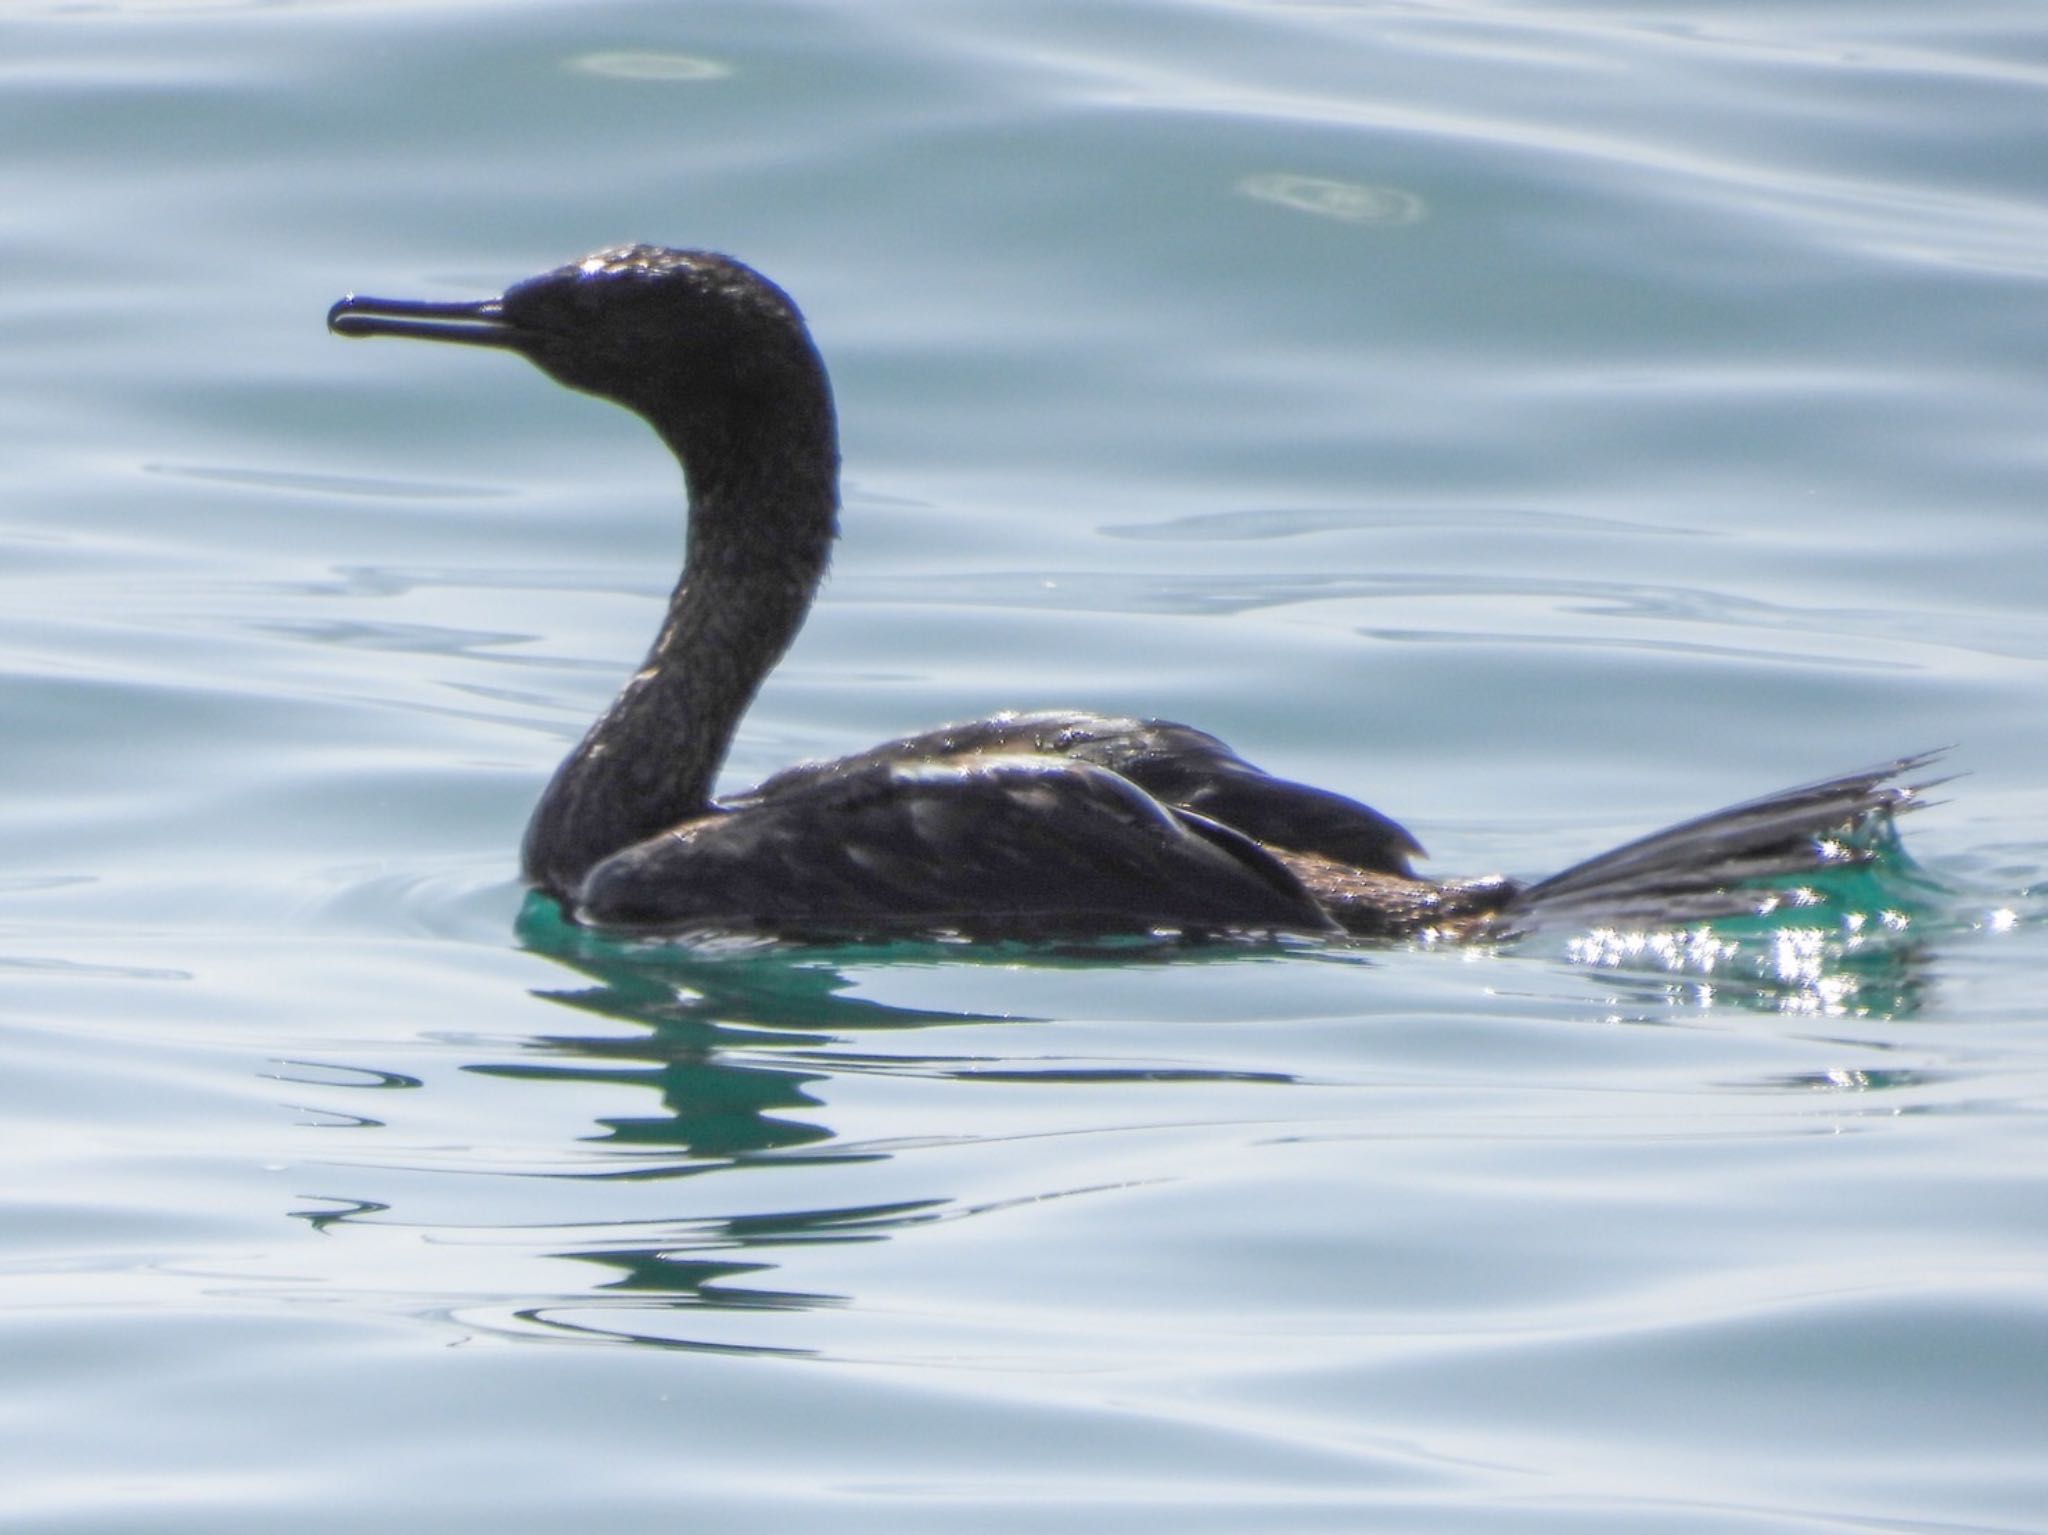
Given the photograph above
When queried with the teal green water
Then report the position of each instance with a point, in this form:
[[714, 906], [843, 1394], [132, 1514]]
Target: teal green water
[[1546, 424]]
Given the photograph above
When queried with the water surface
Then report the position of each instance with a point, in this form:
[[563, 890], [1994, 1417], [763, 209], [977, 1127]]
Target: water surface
[[1544, 424]]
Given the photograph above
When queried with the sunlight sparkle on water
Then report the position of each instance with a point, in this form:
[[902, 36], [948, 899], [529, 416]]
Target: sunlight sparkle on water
[[1698, 950]]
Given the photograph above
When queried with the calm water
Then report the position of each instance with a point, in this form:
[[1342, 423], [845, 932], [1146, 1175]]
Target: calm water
[[1546, 423]]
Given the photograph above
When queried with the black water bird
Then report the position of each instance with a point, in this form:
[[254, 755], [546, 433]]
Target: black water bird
[[1036, 824]]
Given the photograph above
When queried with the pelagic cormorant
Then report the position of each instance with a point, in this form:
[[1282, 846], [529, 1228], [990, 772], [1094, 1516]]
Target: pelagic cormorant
[[1040, 824]]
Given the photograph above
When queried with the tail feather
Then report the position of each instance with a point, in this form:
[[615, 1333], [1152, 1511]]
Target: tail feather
[[1698, 870]]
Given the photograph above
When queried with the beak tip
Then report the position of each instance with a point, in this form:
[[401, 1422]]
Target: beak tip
[[477, 324]]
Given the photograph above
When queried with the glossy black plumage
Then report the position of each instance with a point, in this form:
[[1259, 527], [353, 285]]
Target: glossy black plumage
[[1178, 764], [1021, 824], [984, 845]]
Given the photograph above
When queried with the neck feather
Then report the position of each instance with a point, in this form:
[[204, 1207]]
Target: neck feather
[[762, 518]]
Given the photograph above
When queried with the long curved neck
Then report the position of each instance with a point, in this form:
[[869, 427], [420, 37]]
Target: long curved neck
[[763, 489]]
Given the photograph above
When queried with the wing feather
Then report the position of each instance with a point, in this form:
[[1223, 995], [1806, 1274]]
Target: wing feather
[[985, 844]]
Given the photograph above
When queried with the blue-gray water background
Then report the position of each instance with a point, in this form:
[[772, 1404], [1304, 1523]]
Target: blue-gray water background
[[1545, 422]]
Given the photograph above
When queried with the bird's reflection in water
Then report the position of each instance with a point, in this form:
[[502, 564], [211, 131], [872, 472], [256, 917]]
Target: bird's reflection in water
[[719, 1025], [741, 1047], [650, 1291], [721, 1022], [735, 1041]]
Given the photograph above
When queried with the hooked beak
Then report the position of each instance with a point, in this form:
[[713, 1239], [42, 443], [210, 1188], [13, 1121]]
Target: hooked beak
[[480, 323]]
